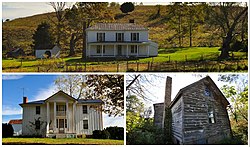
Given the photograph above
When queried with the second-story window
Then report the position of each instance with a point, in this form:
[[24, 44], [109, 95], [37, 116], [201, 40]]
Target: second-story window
[[84, 109], [100, 37], [119, 37], [38, 109], [134, 36]]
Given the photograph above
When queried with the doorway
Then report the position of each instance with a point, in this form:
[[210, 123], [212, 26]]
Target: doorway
[[119, 50], [61, 125]]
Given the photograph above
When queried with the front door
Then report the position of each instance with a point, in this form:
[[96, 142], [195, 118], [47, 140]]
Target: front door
[[119, 48], [61, 125]]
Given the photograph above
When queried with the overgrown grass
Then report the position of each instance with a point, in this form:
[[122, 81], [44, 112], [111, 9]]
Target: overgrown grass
[[79, 141]]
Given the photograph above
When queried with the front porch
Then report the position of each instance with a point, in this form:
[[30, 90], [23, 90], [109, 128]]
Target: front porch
[[60, 119], [115, 50], [66, 135]]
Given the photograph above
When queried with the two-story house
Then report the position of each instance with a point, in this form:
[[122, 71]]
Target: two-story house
[[119, 40], [61, 115]]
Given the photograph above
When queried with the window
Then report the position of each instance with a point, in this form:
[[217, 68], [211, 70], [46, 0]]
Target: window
[[60, 107], [65, 123], [134, 36], [119, 36], [100, 37], [38, 108], [211, 118], [85, 124], [207, 92], [84, 109], [99, 49], [57, 123], [37, 123], [133, 48]]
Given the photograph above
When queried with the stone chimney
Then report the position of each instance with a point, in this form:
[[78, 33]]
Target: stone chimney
[[167, 99], [25, 100], [131, 21]]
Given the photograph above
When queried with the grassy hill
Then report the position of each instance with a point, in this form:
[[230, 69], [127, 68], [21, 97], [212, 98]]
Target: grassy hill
[[19, 31]]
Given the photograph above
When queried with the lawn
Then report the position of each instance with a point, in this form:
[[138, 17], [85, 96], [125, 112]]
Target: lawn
[[165, 55], [85, 141]]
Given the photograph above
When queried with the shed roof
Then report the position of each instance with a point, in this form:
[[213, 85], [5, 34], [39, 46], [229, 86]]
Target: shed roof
[[117, 27], [15, 121]]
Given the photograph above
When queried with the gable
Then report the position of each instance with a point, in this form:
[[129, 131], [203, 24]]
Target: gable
[[60, 96], [116, 27]]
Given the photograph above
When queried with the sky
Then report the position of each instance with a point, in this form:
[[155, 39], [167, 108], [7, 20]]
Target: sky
[[35, 87]]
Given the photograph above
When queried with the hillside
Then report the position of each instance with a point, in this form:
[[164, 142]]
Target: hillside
[[19, 32]]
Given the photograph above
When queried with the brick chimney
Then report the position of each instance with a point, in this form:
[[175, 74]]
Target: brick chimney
[[131, 21], [167, 100], [25, 100]]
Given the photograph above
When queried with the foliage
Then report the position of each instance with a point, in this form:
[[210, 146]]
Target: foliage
[[101, 134], [85, 141], [127, 7], [42, 36], [7, 130], [116, 132], [109, 88]]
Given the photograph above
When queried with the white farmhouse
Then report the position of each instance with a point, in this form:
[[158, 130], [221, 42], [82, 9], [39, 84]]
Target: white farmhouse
[[119, 40], [61, 116], [49, 51]]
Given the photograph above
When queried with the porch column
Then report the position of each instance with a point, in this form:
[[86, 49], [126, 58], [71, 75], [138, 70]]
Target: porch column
[[114, 49], [89, 50], [67, 116], [48, 118], [148, 50], [54, 128], [127, 50], [137, 50], [73, 120], [102, 50]]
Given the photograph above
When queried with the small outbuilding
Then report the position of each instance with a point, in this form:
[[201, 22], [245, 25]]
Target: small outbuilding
[[47, 51], [15, 53], [17, 126]]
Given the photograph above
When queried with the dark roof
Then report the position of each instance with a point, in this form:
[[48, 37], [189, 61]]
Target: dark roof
[[36, 102], [117, 26], [210, 81], [83, 101], [15, 121], [120, 42]]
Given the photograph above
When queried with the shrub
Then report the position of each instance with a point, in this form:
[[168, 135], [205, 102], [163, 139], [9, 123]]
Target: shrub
[[8, 130], [116, 132], [101, 134]]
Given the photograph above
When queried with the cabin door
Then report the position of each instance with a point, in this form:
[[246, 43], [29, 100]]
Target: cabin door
[[119, 50], [61, 125]]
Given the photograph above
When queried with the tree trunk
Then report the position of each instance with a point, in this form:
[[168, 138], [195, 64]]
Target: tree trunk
[[190, 30], [72, 45], [84, 57]]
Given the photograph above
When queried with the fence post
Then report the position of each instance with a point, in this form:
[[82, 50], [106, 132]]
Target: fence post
[[85, 66], [127, 65], [176, 65], [148, 65], [137, 66], [117, 69]]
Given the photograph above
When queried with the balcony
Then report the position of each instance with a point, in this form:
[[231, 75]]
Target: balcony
[[60, 113]]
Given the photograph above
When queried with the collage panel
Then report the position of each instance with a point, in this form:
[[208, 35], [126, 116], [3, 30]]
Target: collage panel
[[88, 109], [186, 109]]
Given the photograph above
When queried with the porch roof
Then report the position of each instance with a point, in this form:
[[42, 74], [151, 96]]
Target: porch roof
[[116, 27], [120, 43]]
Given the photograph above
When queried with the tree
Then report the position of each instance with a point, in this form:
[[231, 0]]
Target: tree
[[59, 12], [127, 7], [227, 16], [42, 36], [108, 88]]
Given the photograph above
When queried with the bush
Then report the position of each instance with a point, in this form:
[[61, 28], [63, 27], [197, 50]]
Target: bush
[[116, 132], [8, 130], [101, 134]]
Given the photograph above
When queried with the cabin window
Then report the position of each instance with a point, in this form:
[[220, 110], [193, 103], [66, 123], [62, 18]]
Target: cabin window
[[134, 36], [84, 109], [119, 36], [133, 48], [207, 92], [37, 123], [211, 117], [100, 37], [38, 109], [85, 124]]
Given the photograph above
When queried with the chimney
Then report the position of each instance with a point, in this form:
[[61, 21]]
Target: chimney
[[167, 100], [131, 21], [25, 100]]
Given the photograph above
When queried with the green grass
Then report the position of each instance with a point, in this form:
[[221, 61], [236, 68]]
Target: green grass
[[62, 141]]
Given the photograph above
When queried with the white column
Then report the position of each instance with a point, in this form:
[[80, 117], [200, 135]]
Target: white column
[[102, 50], [54, 128], [73, 116], [101, 120], [114, 49], [67, 116], [137, 50], [127, 50], [89, 50], [148, 50], [48, 118]]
